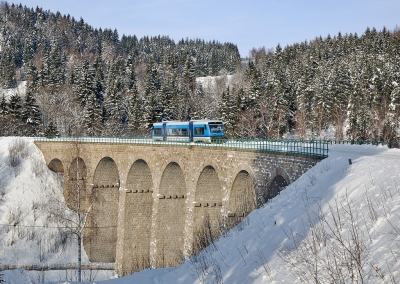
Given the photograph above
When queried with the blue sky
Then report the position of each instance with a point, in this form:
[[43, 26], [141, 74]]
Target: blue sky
[[246, 23]]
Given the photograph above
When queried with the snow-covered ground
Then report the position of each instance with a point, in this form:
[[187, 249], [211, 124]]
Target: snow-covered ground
[[210, 82], [20, 89], [30, 198], [337, 220]]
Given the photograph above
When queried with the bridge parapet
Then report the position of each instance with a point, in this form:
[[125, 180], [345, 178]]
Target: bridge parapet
[[310, 148]]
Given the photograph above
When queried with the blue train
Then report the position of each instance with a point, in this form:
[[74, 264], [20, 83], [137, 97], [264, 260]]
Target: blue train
[[189, 131]]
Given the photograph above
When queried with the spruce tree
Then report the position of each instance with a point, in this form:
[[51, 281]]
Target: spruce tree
[[51, 131], [3, 106], [32, 81], [31, 114], [228, 111], [98, 87], [135, 111], [93, 116], [8, 67], [15, 106], [113, 104], [85, 83]]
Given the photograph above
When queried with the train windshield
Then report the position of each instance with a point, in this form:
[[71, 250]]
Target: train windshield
[[216, 127]]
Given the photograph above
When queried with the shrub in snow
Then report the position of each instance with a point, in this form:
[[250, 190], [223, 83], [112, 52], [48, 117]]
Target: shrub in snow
[[17, 150]]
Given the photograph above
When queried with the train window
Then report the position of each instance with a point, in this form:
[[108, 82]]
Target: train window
[[199, 130], [157, 131], [216, 128], [177, 132]]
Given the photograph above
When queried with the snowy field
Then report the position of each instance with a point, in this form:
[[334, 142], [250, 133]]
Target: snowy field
[[338, 221]]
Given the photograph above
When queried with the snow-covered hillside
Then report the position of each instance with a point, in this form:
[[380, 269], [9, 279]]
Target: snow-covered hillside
[[34, 222], [337, 220], [212, 82]]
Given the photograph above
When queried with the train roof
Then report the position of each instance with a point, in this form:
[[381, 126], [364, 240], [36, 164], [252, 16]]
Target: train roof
[[177, 122]]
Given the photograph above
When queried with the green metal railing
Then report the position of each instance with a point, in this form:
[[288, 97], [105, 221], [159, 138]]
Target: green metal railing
[[310, 148], [359, 142]]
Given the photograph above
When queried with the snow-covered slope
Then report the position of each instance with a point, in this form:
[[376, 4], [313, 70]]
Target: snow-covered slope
[[343, 219], [337, 220], [210, 82], [20, 89], [30, 198]]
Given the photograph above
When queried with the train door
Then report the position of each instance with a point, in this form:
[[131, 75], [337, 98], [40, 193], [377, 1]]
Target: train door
[[190, 131], [164, 127]]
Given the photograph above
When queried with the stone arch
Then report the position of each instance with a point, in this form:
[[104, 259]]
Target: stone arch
[[170, 219], [138, 212], [242, 199], [75, 185], [159, 169], [56, 166], [101, 236], [276, 185], [106, 174], [207, 209], [278, 180]]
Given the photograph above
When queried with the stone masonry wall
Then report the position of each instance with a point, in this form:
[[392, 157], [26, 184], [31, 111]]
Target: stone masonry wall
[[101, 234], [207, 208], [136, 221]]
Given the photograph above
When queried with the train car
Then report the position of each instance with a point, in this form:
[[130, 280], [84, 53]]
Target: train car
[[189, 131]]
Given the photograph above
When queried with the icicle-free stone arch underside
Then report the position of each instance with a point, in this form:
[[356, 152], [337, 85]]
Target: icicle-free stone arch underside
[[75, 185], [242, 199], [56, 166]]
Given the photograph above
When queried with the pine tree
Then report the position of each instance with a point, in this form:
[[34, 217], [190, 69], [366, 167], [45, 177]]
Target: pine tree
[[51, 130], [189, 74], [254, 90], [32, 81], [15, 106], [352, 117], [391, 124], [228, 111], [31, 114], [3, 106], [93, 115], [85, 83], [98, 87], [169, 94], [115, 111], [150, 114], [55, 68], [8, 67], [135, 112]]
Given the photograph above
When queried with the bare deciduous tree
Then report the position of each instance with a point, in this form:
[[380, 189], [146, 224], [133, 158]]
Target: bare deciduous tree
[[74, 220]]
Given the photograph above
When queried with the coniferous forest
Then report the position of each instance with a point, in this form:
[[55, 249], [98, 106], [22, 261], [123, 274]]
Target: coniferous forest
[[85, 81]]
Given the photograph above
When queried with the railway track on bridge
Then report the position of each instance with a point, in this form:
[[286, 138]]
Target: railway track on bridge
[[310, 148]]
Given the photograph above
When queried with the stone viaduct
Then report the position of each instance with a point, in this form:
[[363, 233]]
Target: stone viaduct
[[149, 205]]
